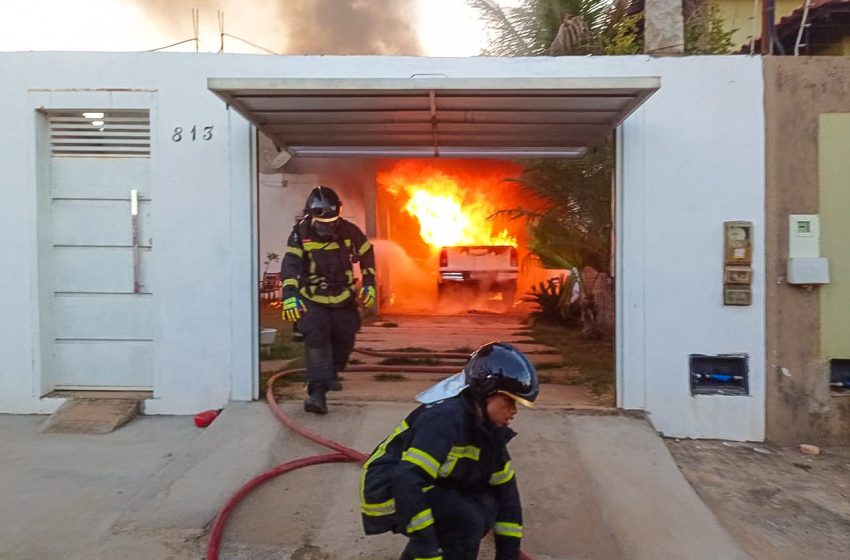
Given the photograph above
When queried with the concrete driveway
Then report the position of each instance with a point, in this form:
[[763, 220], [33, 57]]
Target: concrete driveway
[[594, 487]]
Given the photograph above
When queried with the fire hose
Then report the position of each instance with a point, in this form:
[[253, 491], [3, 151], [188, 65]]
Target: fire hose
[[342, 453]]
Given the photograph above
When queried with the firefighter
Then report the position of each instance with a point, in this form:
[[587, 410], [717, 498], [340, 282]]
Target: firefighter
[[319, 290], [444, 477]]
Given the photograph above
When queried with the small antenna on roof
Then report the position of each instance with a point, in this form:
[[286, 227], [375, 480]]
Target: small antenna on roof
[[221, 31], [196, 17]]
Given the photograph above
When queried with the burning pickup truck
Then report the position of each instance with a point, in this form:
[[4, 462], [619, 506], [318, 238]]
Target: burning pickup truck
[[479, 270]]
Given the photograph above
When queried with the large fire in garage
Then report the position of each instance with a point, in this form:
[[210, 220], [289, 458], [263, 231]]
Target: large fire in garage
[[453, 207], [447, 248]]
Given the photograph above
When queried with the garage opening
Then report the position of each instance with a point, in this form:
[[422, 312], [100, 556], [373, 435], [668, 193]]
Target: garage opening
[[432, 169]]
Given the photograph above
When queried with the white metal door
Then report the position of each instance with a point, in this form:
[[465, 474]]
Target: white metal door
[[101, 329]]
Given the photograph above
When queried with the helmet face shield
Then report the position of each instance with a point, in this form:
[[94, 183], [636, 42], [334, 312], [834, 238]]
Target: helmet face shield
[[323, 211], [323, 207], [324, 227]]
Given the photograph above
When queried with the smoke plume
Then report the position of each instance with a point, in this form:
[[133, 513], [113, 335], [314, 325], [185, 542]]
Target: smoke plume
[[383, 27]]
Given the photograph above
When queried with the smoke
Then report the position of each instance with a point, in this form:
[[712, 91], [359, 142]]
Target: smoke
[[294, 26], [406, 286], [352, 27]]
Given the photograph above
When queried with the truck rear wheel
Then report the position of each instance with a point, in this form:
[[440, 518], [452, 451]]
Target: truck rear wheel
[[508, 297]]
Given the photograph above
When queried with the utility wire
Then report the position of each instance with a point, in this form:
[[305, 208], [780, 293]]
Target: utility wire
[[256, 46], [192, 40], [222, 34]]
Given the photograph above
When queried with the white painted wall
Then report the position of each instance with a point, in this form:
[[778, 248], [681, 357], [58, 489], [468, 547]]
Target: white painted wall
[[692, 158]]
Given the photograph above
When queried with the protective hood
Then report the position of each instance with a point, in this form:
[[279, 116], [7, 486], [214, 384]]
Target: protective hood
[[445, 389]]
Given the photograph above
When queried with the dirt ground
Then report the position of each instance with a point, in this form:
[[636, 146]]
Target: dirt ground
[[778, 503]]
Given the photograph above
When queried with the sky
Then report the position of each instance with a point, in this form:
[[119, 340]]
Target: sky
[[442, 27]]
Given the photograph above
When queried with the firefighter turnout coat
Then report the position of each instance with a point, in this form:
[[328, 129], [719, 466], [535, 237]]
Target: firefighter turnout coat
[[446, 443], [322, 270]]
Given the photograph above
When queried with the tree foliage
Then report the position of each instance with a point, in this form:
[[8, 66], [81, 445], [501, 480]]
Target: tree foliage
[[569, 217], [599, 27], [553, 301], [557, 27], [705, 30]]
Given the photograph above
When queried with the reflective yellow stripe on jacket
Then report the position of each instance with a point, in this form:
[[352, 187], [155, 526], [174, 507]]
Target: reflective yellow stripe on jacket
[[422, 460], [376, 510], [364, 248], [508, 529], [329, 300], [502, 476], [383, 508], [457, 453], [421, 520], [317, 246]]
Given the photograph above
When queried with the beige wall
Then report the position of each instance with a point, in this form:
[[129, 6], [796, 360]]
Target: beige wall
[[799, 405], [834, 142]]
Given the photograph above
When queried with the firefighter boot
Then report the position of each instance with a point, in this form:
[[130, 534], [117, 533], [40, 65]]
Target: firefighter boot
[[335, 384], [315, 401]]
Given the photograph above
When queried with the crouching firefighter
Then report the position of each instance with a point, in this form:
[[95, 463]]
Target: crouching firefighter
[[444, 477], [319, 290]]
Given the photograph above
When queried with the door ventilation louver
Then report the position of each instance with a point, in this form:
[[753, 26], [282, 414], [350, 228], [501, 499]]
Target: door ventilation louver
[[100, 133]]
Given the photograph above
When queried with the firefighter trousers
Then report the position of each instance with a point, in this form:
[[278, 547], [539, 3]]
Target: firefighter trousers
[[461, 520], [329, 334]]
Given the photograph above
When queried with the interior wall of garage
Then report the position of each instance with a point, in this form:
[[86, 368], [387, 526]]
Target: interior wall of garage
[[691, 158], [282, 195]]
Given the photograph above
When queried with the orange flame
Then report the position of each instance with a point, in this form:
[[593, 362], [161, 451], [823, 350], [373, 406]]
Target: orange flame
[[448, 213]]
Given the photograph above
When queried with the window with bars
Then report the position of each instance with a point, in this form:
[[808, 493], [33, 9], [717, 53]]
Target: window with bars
[[100, 133]]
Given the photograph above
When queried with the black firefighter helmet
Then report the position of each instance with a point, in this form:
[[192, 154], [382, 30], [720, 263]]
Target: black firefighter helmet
[[499, 367], [323, 207]]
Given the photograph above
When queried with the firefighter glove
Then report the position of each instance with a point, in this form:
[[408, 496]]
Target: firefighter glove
[[368, 296], [292, 309]]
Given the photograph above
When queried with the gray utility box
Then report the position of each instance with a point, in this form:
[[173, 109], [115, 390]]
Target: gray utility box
[[808, 270]]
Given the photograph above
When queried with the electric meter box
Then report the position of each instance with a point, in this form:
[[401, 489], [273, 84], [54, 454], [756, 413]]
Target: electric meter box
[[805, 265], [803, 235], [738, 261], [808, 270]]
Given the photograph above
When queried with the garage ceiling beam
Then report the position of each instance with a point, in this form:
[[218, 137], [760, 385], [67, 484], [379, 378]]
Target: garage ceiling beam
[[379, 116], [453, 152], [421, 103], [550, 117], [544, 129]]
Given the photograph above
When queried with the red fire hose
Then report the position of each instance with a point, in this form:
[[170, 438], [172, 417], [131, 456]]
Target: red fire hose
[[343, 454]]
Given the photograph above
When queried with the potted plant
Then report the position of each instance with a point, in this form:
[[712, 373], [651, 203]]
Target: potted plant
[[270, 258]]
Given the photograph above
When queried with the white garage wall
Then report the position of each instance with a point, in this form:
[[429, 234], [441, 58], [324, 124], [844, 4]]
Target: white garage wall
[[693, 157]]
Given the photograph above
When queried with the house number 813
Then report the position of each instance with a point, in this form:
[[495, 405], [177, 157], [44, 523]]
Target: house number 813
[[194, 133]]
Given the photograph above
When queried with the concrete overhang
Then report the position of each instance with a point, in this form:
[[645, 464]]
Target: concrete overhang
[[435, 116]]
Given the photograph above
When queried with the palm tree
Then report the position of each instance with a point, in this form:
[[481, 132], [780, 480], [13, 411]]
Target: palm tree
[[569, 219], [559, 27]]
